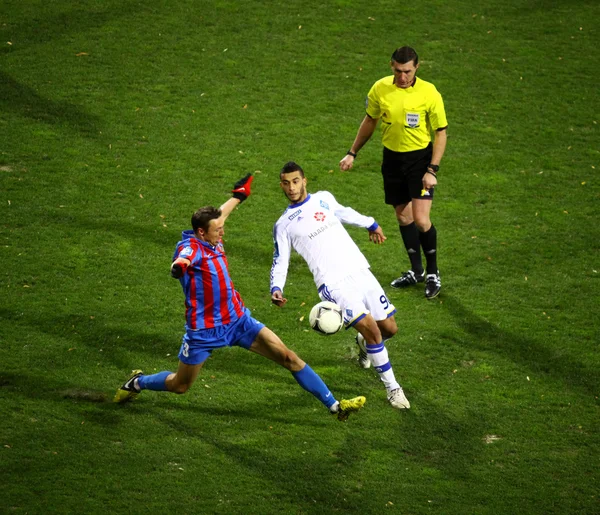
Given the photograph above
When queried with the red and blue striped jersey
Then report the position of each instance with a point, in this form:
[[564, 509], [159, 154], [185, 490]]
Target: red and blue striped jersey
[[210, 297]]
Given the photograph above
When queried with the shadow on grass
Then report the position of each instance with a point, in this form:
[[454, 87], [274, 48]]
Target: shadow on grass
[[47, 25], [521, 349], [24, 101], [287, 471], [122, 348], [103, 411], [116, 344], [398, 441], [429, 439]]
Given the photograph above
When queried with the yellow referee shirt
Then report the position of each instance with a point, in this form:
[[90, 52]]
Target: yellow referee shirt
[[407, 115]]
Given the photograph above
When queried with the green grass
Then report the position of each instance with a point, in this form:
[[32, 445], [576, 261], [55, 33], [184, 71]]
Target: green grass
[[119, 118]]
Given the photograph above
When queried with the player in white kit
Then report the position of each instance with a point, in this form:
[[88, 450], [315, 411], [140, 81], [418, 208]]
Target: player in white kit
[[313, 226]]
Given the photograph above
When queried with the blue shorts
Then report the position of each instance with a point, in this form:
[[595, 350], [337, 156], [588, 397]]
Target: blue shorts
[[198, 344]]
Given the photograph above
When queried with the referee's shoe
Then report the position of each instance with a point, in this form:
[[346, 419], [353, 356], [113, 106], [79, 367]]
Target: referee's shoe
[[407, 279], [433, 285]]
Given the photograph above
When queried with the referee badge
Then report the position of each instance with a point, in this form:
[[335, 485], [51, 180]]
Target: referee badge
[[412, 120]]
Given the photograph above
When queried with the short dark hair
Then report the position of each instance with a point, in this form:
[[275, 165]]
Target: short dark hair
[[290, 167], [202, 217], [404, 55]]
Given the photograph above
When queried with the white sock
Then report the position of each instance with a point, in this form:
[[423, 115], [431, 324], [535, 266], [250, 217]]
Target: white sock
[[378, 355]]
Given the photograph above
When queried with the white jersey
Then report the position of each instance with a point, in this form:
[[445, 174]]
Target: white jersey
[[314, 229]]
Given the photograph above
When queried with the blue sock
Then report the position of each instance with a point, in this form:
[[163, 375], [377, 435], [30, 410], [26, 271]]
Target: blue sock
[[309, 380], [155, 382]]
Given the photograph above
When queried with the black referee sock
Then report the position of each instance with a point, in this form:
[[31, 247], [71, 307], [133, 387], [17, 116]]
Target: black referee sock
[[429, 244], [410, 237]]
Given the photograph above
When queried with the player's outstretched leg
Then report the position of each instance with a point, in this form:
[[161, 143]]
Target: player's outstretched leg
[[269, 345], [128, 391], [309, 380], [138, 382]]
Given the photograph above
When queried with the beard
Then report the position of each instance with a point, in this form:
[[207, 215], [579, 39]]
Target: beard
[[300, 195]]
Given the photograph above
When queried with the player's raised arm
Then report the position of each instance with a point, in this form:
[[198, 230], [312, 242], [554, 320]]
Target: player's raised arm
[[241, 191]]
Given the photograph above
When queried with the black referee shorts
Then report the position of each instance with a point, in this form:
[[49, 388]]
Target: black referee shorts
[[403, 175]]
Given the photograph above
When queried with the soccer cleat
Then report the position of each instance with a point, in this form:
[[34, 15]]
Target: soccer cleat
[[127, 392], [407, 279], [349, 406], [433, 285], [363, 357], [398, 399]]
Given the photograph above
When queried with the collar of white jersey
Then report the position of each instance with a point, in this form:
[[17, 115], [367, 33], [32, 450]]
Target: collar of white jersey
[[294, 206]]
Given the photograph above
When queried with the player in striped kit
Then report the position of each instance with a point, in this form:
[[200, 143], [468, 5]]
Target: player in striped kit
[[216, 316], [312, 225]]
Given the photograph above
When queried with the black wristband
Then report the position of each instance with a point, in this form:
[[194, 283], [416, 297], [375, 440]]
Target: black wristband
[[435, 168], [350, 153], [431, 173]]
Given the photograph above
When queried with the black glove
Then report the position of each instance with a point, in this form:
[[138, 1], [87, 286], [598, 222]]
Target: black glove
[[241, 189], [177, 270]]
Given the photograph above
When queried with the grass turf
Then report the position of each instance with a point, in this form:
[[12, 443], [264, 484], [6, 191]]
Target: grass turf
[[119, 118]]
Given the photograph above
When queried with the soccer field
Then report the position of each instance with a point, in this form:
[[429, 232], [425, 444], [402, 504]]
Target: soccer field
[[119, 118]]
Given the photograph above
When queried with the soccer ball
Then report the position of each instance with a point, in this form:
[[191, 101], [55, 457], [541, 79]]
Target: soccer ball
[[326, 318]]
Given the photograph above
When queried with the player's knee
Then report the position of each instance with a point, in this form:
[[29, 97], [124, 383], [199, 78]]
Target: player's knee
[[290, 360], [180, 388], [389, 332], [388, 328]]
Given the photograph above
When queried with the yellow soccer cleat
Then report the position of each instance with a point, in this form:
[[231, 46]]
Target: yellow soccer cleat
[[349, 406], [127, 392]]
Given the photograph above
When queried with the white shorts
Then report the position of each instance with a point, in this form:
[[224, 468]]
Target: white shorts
[[358, 295]]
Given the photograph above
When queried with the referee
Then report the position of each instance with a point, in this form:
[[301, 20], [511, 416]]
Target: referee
[[410, 110]]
